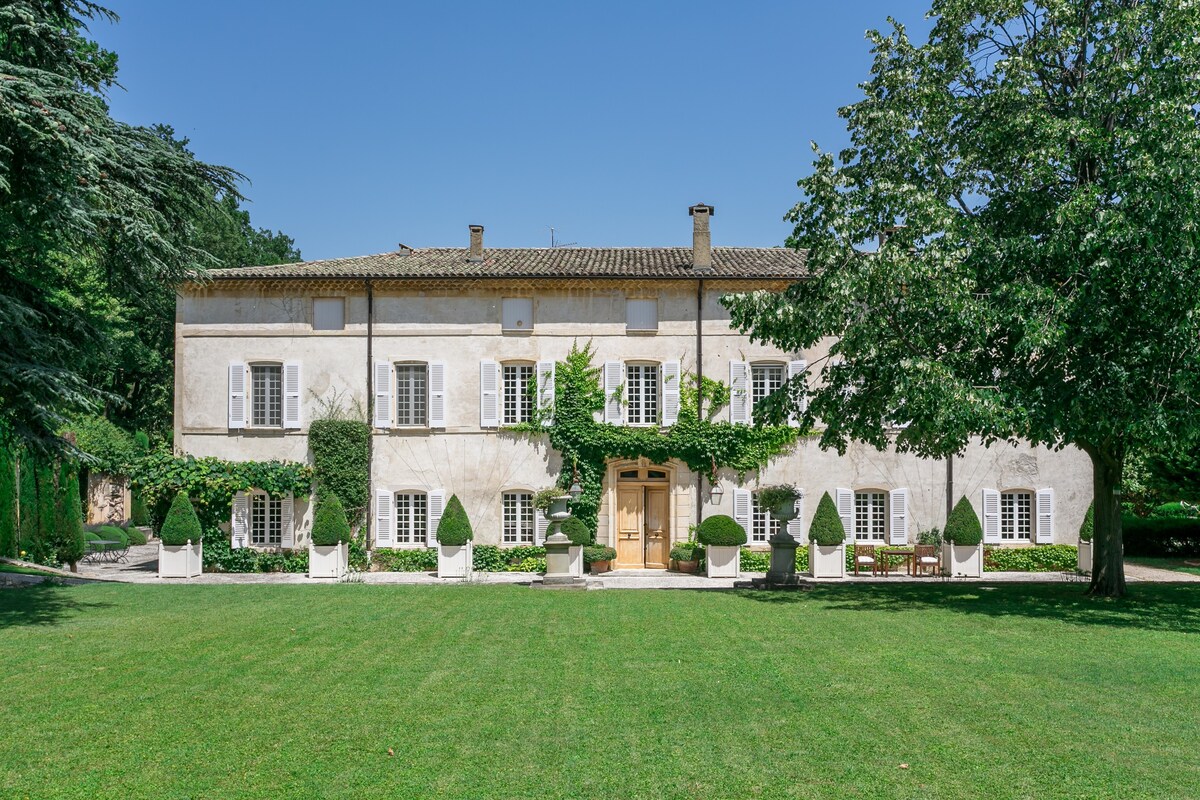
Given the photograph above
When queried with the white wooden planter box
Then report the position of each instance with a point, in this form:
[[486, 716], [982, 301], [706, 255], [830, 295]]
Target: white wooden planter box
[[961, 561], [722, 562], [1083, 559], [455, 561], [575, 556], [827, 560], [180, 560], [328, 560]]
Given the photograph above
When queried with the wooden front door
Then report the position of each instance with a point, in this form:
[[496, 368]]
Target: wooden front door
[[629, 527], [643, 525], [657, 528]]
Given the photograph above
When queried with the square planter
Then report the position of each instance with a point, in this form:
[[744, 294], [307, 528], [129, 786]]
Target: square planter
[[1083, 558], [827, 560], [455, 561], [328, 560], [180, 560], [961, 561], [575, 556], [723, 562]]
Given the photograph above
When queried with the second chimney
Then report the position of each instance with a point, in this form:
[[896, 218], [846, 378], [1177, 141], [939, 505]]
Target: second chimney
[[701, 238], [476, 253]]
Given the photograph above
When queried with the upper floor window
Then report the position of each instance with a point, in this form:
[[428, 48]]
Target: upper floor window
[[517, 508], [641, 314], [266, 520], [516, 313], [764, 379], [412, 395], [518, 402], [1016, 516], [412, 518], [329, 313], [266, 395], [762, 525], [870, 516], [641, 393]]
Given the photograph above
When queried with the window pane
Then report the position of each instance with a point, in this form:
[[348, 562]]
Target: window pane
[[762, 525], [266, 395], [412, 518], [1016, 515], [869, 516], [518, 518], [411, 395], [266, 520], [518, 405], [641, 392], [764, 379]]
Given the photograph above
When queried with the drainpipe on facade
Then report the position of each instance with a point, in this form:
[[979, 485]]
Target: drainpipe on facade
[[370, 412], [949, 488], [699, 388]]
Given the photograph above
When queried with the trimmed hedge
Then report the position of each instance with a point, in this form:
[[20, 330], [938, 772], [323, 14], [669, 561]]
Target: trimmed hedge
[[1039, 558], [962, 527], [8, 503], [220, 557], [341, 464], [181, 524], [136, 537], [721, 531], [418, 560], [1088, 528], [686, 551], [1167, 537], [454, 529], [577, 531], [598, 553], [490, 558], [826, 528], [330, 526]]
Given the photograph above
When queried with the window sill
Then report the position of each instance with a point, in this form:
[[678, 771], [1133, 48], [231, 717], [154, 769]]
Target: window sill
[[641, 331]]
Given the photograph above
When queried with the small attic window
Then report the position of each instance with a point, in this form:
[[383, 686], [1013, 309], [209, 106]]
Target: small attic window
[[329, 314], [516, 314], [641, 314]]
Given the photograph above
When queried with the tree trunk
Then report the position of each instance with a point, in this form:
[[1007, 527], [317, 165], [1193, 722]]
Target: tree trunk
[[1108, 550]]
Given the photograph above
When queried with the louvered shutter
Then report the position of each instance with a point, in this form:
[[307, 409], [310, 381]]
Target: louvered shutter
[[287, 521], [991, 516], [898, 500], [545, 388], [795, 527], [541, 526], [614, 373], [385, 515], [741, 510], [383, 394], [670, 392], [437, 506], [797, 368], [437, 394], [845, 509], [240, 526], [291, 395], [489, 394], [739, 393], [1045, 516], [237, 395]]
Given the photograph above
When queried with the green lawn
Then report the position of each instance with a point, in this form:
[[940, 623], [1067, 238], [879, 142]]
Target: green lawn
[[1176, 564], [485, 692], [13, 568]]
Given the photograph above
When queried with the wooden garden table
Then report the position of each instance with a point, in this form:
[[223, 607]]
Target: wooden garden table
[[884, 554]]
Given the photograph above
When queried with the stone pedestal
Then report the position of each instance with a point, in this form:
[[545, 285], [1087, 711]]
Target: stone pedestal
[[559, 572], [782, 568]]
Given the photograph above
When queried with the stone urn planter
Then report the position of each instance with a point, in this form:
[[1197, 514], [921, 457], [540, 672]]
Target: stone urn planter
[[1083, 558], [779, 500], [962, 561], [180, 560], [827, 560], [328, 560], [455, 560]]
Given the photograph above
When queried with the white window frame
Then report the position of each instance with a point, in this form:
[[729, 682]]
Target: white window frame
[[755, 395], [409, 394], [262, 506], [646, 417], [870, 516], [517, 517], [762, 525], [1017, 512], [253, 395], [516, 397], [329, 303], [409, 528], [516, 314]]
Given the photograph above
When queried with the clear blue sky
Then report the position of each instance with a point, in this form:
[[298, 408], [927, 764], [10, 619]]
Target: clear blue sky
[[361, 125]]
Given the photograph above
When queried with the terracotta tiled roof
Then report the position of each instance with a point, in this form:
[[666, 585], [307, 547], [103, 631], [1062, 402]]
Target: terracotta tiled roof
[[558, 262]]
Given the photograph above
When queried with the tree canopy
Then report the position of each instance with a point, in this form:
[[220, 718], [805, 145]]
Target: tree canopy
[[1035, 168]]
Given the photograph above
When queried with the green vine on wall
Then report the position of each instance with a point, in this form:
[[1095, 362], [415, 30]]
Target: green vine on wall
[[700, 443]]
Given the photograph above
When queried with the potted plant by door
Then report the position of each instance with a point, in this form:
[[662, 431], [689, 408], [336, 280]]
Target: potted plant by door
[[962, 542], [686, 556], [722, 538], [454, 537], [599, 558], [779, 500], [180, 553], [575, 530], [329, 546], [827, 541], [1083, 557]]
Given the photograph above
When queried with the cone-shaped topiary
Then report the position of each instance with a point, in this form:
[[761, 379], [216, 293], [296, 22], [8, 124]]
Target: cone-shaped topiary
[[577, 531], [962, 527], [721, 531], [454, 529], [1089, 524], [826, 528], [330, 525], [181, 524]]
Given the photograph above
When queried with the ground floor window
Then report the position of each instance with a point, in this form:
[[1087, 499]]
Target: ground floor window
[[870, 516], [266, 520], [518, 518], [412, 518], [1016, 516], [762, 525]]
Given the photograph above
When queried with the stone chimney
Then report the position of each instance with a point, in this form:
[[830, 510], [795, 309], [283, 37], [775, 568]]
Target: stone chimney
[[476, 253], [701, 238]]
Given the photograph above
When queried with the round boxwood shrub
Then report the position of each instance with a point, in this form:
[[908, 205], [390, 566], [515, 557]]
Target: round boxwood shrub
[[454, 529], [1088, 528], [826, 528], [135, 536], [577, 531], [330, 526], [181, 524], [721, 531], [962, 527], [598, 553]]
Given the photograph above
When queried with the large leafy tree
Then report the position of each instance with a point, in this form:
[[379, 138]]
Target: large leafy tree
[[1037, 165]]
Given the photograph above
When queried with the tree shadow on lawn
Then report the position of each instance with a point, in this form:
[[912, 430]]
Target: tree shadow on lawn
[[1158, 607], [40, 604]]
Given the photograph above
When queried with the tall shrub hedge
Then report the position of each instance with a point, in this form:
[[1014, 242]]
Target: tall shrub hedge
[[962, 527], [9, 530], [341, 462], [1167, 537], [454, 529], [67, 536], [27, 494]]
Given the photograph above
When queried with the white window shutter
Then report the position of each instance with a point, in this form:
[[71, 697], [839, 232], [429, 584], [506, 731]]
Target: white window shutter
[[845, 509], [287, 521], [671, 376], [489, 394], [795, 527], [383, 394], [741, 509], [541, 527], [385, 515], [614, 373], [437, 507], [1045, 516], [991, 516], [797, 367], [291, 395], [739, 393], [898, 533], [437, 394], [237, 395], [545, 388], [240, 525]]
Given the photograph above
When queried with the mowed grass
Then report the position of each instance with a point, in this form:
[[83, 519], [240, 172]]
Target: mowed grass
[[120, 691]]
